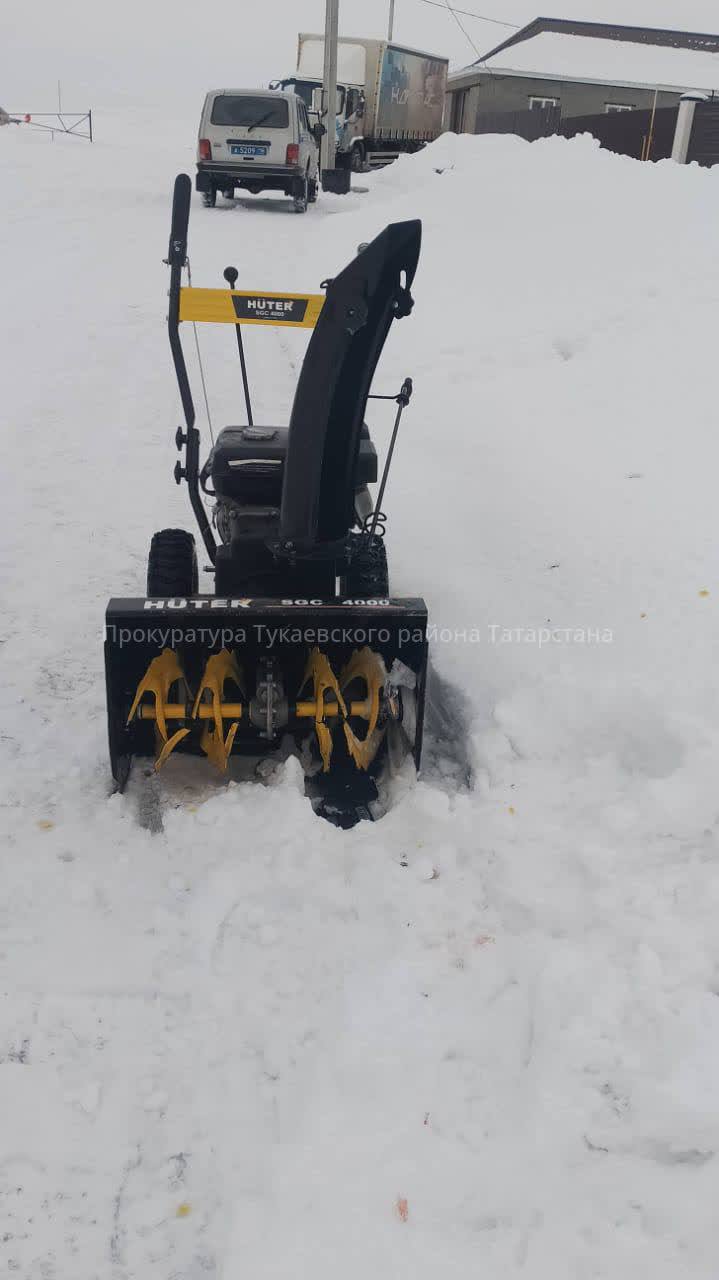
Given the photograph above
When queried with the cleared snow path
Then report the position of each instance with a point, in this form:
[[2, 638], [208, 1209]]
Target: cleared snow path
[[482, 1035]]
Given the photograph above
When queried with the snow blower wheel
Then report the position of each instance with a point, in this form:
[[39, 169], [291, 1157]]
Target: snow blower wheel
[[367, 574], [172, 564], [298, 636]]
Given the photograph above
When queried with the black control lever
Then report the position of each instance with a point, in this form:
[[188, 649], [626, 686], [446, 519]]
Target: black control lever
[[231, 274]]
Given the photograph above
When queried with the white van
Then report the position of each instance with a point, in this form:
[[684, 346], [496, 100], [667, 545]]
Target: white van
[[260, 140]]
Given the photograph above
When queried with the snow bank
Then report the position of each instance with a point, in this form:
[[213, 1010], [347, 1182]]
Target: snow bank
[[482, 1033]]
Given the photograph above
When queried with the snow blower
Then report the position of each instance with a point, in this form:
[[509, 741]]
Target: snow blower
[[300, 645]]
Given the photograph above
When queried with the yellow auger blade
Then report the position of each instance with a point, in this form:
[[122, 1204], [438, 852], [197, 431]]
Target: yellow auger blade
[[220, 667], [162, 673], [319, 671], [169, 747], [368, 666]]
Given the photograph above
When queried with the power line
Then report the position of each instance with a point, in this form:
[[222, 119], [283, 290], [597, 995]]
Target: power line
[[464, 31], [467, 13]]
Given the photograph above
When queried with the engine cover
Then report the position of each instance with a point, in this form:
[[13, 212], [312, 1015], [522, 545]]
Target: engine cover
[[247, 464]]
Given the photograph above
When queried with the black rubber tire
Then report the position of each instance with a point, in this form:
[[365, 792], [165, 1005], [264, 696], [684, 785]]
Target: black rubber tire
[[209, 198], [357, 159], [312, 190], [172, 564], [368, 577], [299, 202]]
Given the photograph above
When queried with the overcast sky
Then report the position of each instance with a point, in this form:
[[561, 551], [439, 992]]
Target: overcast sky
[[107, 52]]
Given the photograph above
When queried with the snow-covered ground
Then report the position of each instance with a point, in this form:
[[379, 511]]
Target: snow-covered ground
[[481, 1036]]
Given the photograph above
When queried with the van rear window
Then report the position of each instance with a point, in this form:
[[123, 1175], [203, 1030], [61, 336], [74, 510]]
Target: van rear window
[[271, 113]]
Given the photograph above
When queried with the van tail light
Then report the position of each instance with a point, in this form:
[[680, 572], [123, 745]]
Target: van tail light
[[293, 153], [205, 149]]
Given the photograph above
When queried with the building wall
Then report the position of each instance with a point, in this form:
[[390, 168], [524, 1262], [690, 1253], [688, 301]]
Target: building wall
[[487, 93]]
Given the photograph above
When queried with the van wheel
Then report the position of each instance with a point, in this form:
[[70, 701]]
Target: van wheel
[[229, 193], [312, 188], [301, 195], [357, 159], [209, 198]]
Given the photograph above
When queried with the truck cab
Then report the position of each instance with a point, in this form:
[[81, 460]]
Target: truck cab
[[349, 115]]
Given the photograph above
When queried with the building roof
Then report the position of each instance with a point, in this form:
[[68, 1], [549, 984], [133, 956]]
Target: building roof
[[611, 31], [578, 58]]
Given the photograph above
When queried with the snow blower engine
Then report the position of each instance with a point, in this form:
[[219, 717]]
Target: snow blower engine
[[300, 645]]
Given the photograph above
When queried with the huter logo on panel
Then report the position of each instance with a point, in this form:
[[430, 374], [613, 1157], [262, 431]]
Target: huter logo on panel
[[258, 307], [188, 603]]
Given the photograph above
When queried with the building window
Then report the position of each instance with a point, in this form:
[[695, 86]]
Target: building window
[[543, 104], [612, 107]]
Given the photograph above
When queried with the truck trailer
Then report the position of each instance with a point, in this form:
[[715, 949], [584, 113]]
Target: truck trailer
[[389, 98]]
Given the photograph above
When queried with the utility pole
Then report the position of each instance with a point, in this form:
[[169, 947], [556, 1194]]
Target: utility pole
[[333, 179], [390, 24], [329, 83]]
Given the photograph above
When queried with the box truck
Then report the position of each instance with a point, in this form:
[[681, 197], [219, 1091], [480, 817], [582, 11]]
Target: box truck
[[389, 98]]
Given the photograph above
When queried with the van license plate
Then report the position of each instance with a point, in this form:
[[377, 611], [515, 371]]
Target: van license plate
[[247, 149]]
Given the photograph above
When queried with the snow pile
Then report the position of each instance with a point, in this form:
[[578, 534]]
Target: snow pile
[[482, 1033], [622, 61]]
